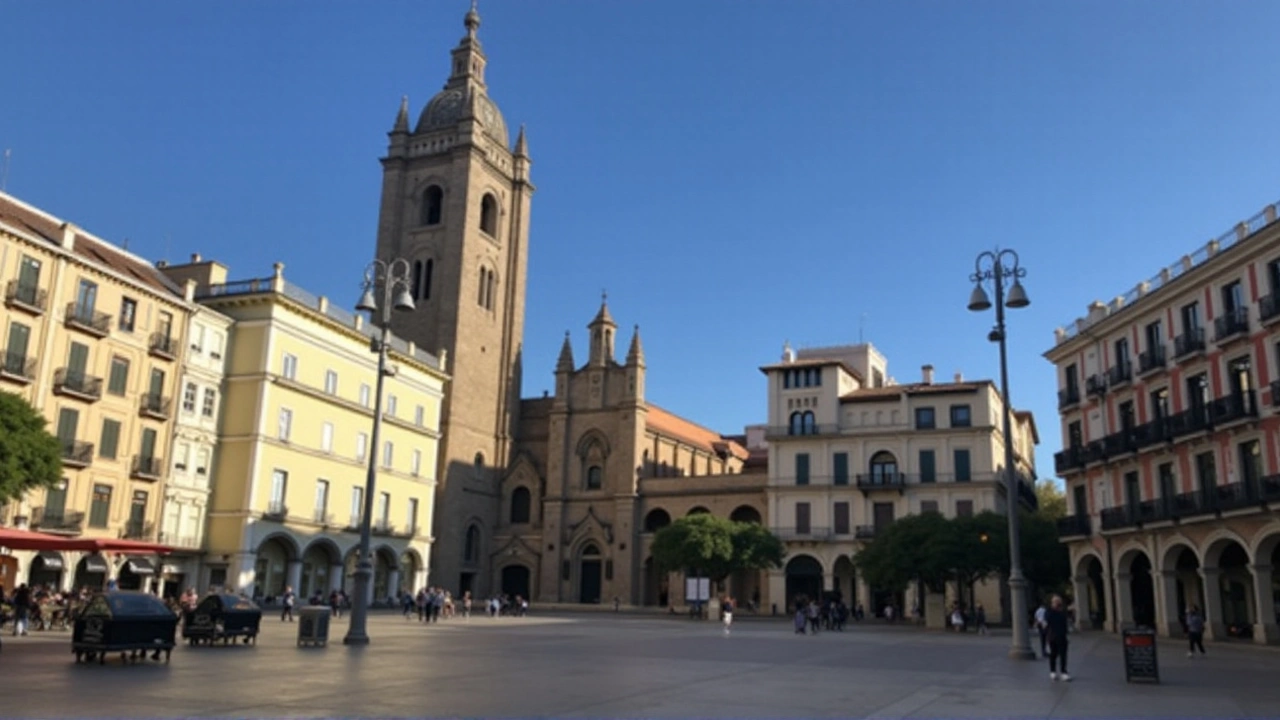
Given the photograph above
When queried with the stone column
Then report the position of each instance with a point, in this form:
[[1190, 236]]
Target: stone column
[[336, 573], [828, 583], [393, 583], [1084, 611], [1167, 620], [293, 574], [1214, 625], [777, 594], [1265, 629], [1124, 603]]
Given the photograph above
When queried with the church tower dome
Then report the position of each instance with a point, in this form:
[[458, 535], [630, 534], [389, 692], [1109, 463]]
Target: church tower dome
[[465, 95]]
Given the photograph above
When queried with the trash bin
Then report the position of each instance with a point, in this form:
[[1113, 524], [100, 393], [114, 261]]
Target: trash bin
[[130, 623], [222, 617], [313, 626]]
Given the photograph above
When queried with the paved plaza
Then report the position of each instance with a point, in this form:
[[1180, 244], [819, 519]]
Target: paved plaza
[[605, 665]]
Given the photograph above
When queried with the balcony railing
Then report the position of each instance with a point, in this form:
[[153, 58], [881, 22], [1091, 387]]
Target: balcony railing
[[864, 532], [1189, 342], [353, 524], [77, 384], [320, 517], [26, 297], [155, 406], [1120, 373], [811, 533], [1068, 396], [1095, 385], [276, 510], [1232, 407], [1269, 308], [1275, 393], [181, 541], [147, 467], [882, 481], [1068, 459], [384, 528], [1074, 526], [163, 345], [137, 530], [1151, 360], [1232, 323], [18, 366], [56, 521], [1269, 489], [785, 431], [77, 453], [88, 320]]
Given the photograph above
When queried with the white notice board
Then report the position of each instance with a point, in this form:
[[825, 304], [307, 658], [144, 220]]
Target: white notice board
[[697, 589]]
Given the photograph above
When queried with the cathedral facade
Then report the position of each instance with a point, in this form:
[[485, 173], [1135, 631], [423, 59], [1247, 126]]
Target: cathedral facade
[[557, 498]]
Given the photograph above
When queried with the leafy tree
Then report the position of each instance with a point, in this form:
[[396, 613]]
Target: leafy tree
[[29, 456], [755, 548], [975, 549], [913, 548], [1052, 500], [715, 547], [1045, 561]]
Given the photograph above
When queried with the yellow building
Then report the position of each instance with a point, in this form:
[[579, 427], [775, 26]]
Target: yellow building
[[92, 338], [289, 476]]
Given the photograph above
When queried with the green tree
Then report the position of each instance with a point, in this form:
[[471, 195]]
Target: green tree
[[913, 548], [975, 549], [1052, 500], [1045, 560], [715, 547], [29, 456]]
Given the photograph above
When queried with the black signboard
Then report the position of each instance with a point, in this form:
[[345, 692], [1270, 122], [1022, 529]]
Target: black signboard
[[1140, 664]]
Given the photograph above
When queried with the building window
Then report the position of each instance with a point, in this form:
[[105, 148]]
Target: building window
[[1168, 488], [326, 437], [521, 503], [189, 394], [322, 499], [128, 314], [416, 463], [289, 367], [286, 423], [928, 506], [392, 404], [118, 379], [331, 382], [884, 468], [365, 392], [86, 301], [15, 353], [802, 468], [925, 419], [100, 508], [384, 509], [840, 467], [471, 549], [181, 457], [802, 423], [841, 511], [1206, 472], [110, 441], [422, 271], [388, 454], [202, 462], [928, 466], [486, 291], [210, 402], [1190, 318], [419, 415], [802, 518], [961, 460], [1075, 436], [279, 489], [357, 505], [964, 508], [411, 521], [432, 205], [55, 501], [1250, 463], [961, 417], [595, 477], [362, 446], [489, 215]]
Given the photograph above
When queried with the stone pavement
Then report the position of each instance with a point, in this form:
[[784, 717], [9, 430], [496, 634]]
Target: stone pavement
[[594, 665]]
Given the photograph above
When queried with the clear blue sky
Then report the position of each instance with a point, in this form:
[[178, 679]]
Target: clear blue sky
[[736, 173]]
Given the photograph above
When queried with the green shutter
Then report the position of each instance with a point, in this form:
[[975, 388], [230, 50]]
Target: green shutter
[[840, 464], [78, 359], [157, 382], [110, 443], [802, 468], [118, 383], [962, 466], [928, 467], [19, 339], [148, 443], [68, 422]]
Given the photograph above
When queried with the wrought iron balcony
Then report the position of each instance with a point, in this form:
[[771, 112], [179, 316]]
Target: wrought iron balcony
[[1192, 420], [1074, 526], [882, 481], [1120, 373], [56, 521], [154, 406], [1068, 459], [353, 525], [1269, 308], [137, 530], [1095, 385], [77, 453], [864, 532], [1275, 393], [1150, 433], [320, 517], [180, 541], [26, 297], [1269, 489], [1232, 323], [88, 320], [802, 534], [276, 510], [1151, 360], [1118, 518], [1235, 496], [163, 345], [147, 467], [18, 367], [782, 432], [383, 528], [77, 384], [1068, 396], [1233, 407], [1188, 343]]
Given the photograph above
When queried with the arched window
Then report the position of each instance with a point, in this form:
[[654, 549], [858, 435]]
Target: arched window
[[489, 214], [699, 511], [471, 550], [432, 205], [426, 278], [796, 425], [810, 427], [656, 520], [521, 499], [884, 468], [595, 477], [484, 281], [416, 289]]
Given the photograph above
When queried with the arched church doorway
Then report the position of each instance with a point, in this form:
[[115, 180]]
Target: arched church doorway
[[515, 581], [590, 575]]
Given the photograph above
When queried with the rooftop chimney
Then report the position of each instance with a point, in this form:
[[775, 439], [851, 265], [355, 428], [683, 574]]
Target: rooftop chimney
[[195, 257], [926, 373], [959, 377]]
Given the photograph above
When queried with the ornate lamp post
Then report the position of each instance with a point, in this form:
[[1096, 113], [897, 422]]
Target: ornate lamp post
[[392, 278], [998, 273]]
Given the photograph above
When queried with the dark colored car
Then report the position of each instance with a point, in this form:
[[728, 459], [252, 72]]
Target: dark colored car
[[130, 623], [222, 617]]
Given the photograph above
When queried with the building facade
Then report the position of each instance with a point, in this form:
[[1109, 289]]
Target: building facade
[[93, 339], [851, 451], [1167, 398], [293, 446], [195, 442], [547, 498]]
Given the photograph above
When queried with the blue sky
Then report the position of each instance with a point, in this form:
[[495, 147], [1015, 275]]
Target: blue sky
[[736, 173]]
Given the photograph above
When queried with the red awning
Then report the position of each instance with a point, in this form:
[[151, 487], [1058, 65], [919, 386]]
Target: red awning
[[129, 547], [27, 540]]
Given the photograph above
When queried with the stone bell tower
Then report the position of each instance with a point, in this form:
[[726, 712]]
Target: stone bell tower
[[455, 205]]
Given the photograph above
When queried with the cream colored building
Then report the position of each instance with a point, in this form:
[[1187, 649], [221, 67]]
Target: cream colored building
[[851, 451], [289, 474], [1168, 397], [92, 339], [195, 442]]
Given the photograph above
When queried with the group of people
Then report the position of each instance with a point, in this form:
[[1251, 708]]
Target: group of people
[[39, 607], [830, 614]]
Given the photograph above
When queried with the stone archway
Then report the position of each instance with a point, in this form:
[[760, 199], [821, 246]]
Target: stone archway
[[1182, 587], [91, 572], [321, 570], [746, 514], [271, 567], [846, 579], [803, 580], [516, 581], [1266, 558], [1137, 602], [47, 568], [590, 574], [410, 569], [1231, 605], [386, 571], [1090, 593], [656, 585], [656, 519]]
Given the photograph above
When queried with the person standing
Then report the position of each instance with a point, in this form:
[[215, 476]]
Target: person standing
[[980, 620], [1042, 628], [21, 609], [726, 609], [1195, 632], [1055, 622], [287, 601]]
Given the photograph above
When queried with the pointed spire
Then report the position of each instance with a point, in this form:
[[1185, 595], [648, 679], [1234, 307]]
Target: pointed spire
[[402, 117], [635, 355], [522, 145], [565, 363], [472, 20], [603, 317]]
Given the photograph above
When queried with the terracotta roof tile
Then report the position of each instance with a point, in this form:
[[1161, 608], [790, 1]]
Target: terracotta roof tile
[[671, 425]]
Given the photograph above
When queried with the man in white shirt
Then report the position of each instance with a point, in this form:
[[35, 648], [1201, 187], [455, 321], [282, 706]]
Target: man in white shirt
[[1043, 627]]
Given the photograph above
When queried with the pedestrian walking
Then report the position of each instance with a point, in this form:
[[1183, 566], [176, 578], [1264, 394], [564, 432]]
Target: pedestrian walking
[[726, 610], [980, 620], [1055, 621], [287, 600], [1042, 628], [1195, 632]]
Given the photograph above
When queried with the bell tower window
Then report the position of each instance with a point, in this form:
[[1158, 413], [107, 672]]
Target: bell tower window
[[488, 282], [432, 205], [489, 215]]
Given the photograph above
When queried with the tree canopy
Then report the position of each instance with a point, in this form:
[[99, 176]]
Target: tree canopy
[[29, 456], [715, 547], [1053, 501]]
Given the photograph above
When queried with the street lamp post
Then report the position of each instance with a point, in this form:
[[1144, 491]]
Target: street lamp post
[[998, 273], [392, 278]]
